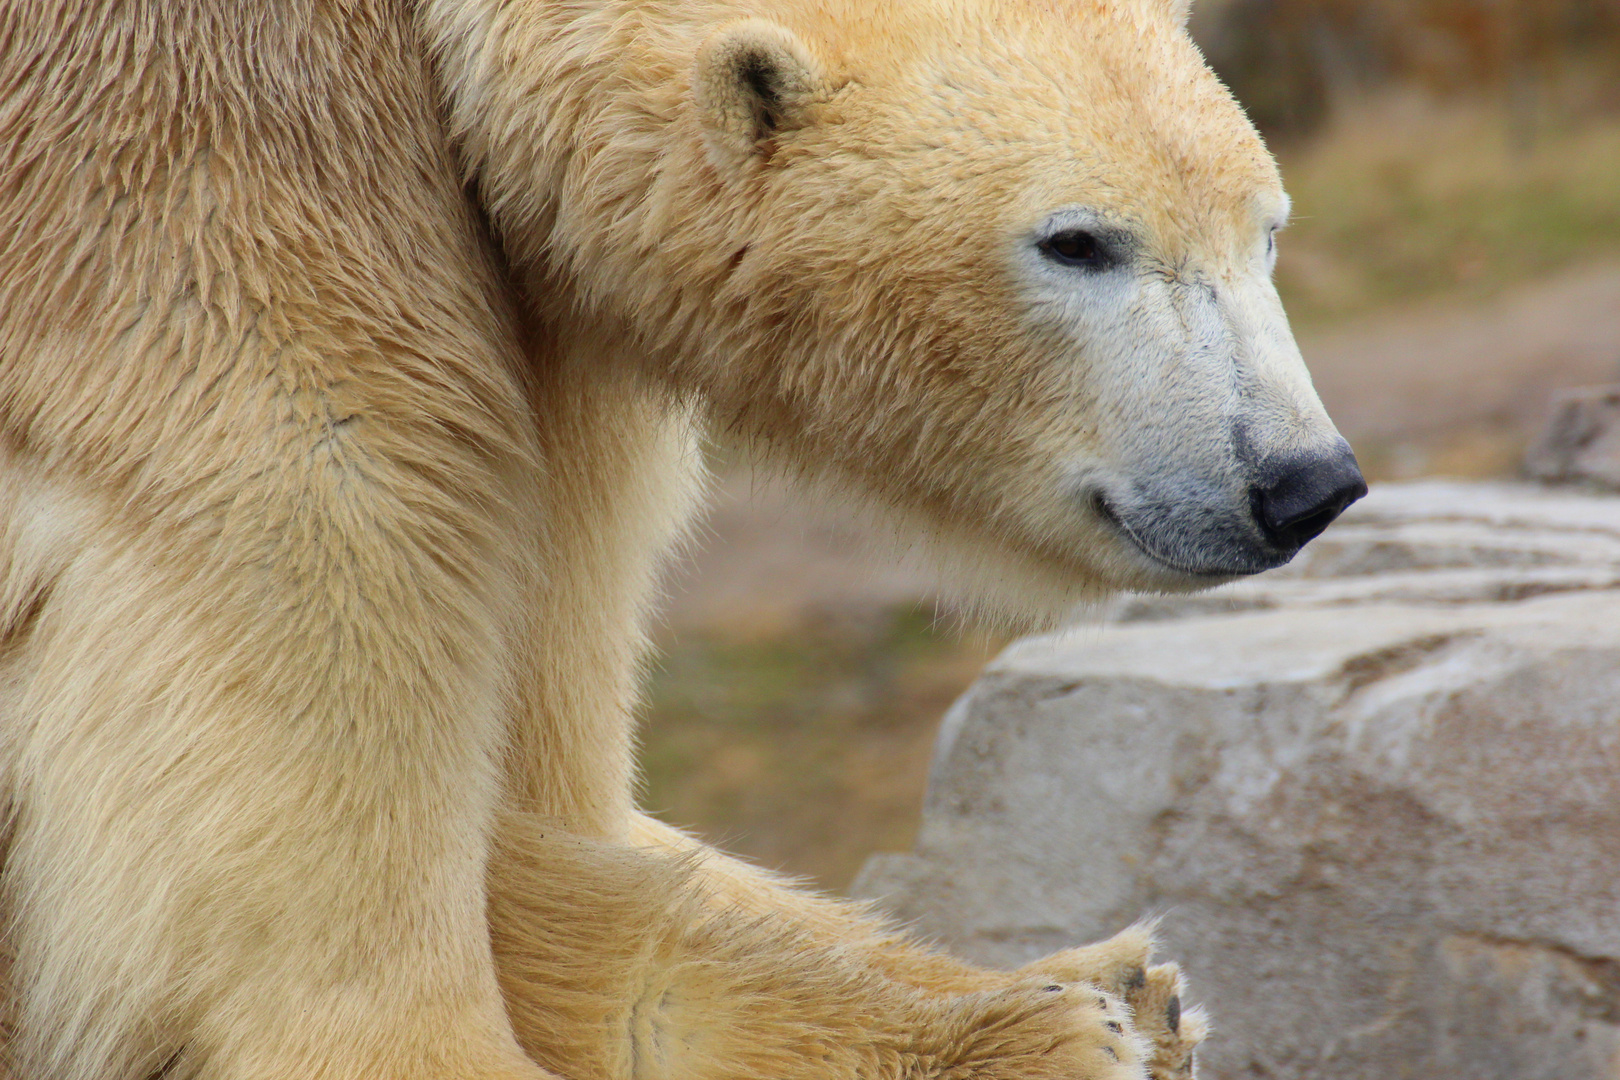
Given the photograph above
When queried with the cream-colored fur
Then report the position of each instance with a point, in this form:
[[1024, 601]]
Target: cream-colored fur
[[352, 357]]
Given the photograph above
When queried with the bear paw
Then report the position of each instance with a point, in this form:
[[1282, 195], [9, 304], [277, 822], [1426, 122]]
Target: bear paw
[[1034, 1029], [1153, 994]]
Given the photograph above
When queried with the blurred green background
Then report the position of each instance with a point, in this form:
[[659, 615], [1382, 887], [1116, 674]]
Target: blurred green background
[[1455, 255]]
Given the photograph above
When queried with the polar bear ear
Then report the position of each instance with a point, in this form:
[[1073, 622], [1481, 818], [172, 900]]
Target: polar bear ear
[[754, 80]]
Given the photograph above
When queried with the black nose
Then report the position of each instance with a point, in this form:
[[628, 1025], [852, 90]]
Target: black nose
[[1305, 496]]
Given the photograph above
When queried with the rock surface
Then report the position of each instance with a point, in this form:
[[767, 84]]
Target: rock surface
[[1376, 796], [1581, 443]]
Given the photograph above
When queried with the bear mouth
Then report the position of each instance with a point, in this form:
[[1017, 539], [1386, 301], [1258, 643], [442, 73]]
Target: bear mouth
[[1203, 576]]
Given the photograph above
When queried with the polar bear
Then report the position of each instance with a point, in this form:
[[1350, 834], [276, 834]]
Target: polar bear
[[352, 359]]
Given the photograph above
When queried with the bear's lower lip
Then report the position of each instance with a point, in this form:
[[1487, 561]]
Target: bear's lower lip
[[1205, 574]]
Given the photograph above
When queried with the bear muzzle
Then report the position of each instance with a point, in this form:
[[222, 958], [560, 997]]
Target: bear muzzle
[[1204, 532]]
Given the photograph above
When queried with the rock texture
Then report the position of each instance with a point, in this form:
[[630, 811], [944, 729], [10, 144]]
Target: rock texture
[[1581, 443], [1376, 796]]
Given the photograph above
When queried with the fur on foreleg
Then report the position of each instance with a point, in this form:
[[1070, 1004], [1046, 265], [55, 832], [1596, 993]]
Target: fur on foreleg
[[618, 963]]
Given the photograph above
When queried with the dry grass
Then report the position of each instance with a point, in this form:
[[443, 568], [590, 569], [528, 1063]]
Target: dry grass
[[1406, 197]]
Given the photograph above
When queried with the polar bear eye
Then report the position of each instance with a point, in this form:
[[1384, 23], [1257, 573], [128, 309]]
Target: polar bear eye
[[1075, 247]]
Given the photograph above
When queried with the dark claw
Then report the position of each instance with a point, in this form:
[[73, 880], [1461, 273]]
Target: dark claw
[[1054, 988], [1110, 1051], [1114, 1026], [1173, 1014]]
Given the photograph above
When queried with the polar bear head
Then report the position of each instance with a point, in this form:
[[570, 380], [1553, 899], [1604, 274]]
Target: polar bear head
[[1002, 266]]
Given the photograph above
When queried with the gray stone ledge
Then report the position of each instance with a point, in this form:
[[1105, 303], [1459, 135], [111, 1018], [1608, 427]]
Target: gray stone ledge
[[1376, 797]]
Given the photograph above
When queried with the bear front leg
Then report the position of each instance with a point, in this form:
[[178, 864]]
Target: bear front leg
[[731, 883], [249, 846], [1121, 966], [620, 963]]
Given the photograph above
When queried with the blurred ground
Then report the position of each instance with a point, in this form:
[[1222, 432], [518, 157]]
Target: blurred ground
[[1444, 275], [1448, 268], [793, 713]]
